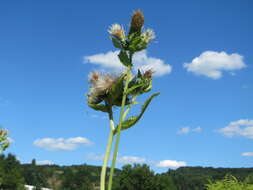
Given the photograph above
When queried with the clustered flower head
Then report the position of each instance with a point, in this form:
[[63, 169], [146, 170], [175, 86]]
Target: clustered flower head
[[143, 82], [100, 86], [148, 73], [136, 40], [117, 31]]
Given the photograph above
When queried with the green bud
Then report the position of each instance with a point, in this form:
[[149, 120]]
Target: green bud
[[141, 83]]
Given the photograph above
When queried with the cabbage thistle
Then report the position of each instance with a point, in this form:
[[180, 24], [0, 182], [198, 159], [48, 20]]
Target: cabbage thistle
[[110, 90], [4, 141]]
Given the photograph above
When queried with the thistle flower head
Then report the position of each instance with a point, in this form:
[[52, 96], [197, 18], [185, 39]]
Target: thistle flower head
[[100, 85], [94, 76], [117, 31], [136, 22], [148, 73], [3, 133], [148, 35]]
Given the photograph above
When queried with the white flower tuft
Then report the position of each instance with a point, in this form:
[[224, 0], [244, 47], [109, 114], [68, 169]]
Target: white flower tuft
[[117, 31], [148, 35]]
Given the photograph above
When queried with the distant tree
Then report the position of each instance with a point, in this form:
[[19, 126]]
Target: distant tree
[[77, 179], [11, 176], [137, 177], [33, 162], [164, 182], [35, 175]]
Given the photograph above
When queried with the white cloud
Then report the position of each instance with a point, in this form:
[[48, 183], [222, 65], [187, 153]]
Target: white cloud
[[141, 61], [211, 64], [107, 60], [61, 143], [197, 129], [247, 154], [243, 127], [44, 162], [93, 156], [131, 160], [170, 164], [186, 130], [139, 160], [120, 159]]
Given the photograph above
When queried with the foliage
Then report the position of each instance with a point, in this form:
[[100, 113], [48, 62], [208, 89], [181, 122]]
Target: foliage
[[35, 175], [10, 173], [229, 183], [136, 177], [77, 179], [249, 179], [14, 175]]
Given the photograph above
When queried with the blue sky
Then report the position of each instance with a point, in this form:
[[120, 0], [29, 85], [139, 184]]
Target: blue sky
[[203, 116]]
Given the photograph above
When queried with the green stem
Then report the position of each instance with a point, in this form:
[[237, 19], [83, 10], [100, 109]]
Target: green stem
[[116, 147], [107, 152]]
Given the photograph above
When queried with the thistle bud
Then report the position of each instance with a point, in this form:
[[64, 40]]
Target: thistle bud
[[117, 31], [136, 22], [148, 74]]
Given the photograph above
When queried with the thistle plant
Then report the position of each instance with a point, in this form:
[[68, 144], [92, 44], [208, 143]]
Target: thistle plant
[[4, 142], [108, 91]]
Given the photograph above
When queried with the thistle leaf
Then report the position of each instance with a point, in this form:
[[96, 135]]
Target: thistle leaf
[[133, 88], [134, 119], [124, 58], [116, 91], [99, 107], [116, 43]]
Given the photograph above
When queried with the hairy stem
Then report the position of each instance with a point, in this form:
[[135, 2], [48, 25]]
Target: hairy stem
[[107, 152], [116, 147]]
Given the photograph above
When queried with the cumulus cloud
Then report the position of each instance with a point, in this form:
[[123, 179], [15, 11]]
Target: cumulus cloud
[[197, 129], [120, 159], [93, 156], [242, 127], [61, 143], [44, 162], [248, 154], [186, 130], [140, 160], [131, 160], [211, 64], [170, 164], [141, 61]]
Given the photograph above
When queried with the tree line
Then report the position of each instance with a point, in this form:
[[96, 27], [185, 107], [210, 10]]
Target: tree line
[[14, 175]]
